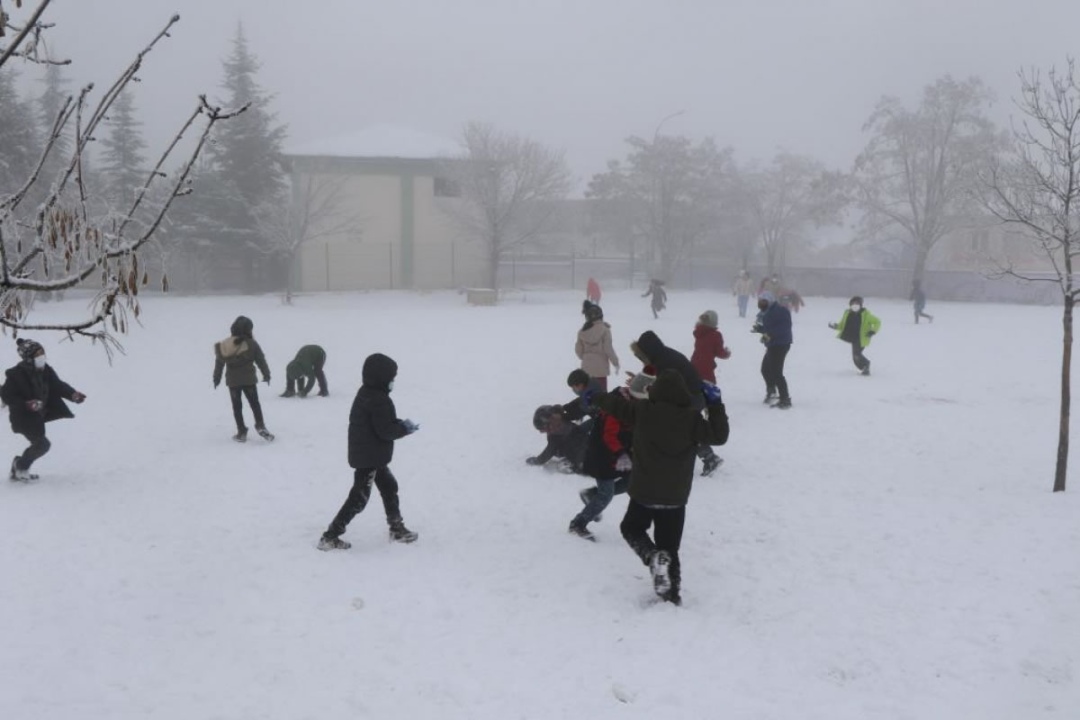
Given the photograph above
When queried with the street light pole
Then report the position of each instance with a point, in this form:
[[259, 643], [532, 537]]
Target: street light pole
[[656, 132]]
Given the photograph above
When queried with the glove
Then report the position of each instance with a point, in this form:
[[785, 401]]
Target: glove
[[266, 379], [77, 397], [833, 326], [765, 339], [757, 329], [623, 463], [410, 426], [216, 383], [725, 353], [532, 461], [871, 333], [34, 405], [711, 393]]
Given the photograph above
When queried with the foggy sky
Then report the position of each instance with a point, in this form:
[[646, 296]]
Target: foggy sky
[[576, 74]]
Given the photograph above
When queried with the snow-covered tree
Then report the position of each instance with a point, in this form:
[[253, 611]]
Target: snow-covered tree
[[123, 164], [50, 238], [19, 145]]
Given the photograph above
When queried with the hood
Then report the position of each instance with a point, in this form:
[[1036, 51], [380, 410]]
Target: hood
[[768, 297], [242, 327], [379, 371], [670, 388], [650, 345], [701, 331]]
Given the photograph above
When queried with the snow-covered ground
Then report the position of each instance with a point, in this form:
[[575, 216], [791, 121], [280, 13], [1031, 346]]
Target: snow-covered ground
[[889, 548]]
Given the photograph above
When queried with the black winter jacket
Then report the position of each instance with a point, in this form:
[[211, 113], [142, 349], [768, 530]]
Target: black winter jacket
[[667, 431], [661, 357], [373, 421], [23, 383], [608, 439]]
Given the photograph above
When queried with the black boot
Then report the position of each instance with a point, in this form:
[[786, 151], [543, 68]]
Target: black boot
[[400, 533]]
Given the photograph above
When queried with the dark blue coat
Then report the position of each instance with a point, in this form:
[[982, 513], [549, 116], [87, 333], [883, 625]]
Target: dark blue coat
[[776, 323]]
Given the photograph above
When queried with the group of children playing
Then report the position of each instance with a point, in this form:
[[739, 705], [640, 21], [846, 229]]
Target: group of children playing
[[641, 439]]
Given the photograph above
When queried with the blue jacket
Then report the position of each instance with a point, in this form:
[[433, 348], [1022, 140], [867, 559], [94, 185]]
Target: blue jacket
[[776, 324]]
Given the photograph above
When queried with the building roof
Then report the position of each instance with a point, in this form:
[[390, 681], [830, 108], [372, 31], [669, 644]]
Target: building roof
[[379, 141]]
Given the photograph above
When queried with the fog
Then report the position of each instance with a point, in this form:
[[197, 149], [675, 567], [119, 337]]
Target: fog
[[576, 75]]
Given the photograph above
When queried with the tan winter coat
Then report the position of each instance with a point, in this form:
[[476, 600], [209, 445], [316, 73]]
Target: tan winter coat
[[743, 286], [595, 350]]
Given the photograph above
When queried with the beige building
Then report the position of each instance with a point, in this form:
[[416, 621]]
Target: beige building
[[379, 214]]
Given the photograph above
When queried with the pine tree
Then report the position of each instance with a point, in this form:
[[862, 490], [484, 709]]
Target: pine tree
[[49, 104], [248, 151], [19, 146], [247, 170], [123, 165]]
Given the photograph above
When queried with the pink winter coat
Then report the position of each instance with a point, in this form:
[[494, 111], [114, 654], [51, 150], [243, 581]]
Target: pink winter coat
[[595, 350]]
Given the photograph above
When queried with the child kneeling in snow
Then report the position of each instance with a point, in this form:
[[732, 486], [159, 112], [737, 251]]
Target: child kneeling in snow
[[667, 431]]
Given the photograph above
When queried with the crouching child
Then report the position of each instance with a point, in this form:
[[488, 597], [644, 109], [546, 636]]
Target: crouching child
[[373, 428], [607, 460], [666, 431]]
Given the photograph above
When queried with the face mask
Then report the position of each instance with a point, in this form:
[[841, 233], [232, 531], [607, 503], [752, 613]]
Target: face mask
[[39, 362], [390, 386], [856, 308]]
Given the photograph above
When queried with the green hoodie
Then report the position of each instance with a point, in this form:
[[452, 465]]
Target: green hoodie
[[870, 324]]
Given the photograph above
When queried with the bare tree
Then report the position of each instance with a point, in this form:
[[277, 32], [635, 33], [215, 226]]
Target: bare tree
[[508, 185], [668, 193], [60, 243], [317, 210], [793, 192], [920, 167], [1037, 190]]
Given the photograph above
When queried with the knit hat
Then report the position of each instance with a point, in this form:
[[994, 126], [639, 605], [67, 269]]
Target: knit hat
[[767, 296], [708, 319], [639, 385], [857, 299], [593, 312], [29, 349]]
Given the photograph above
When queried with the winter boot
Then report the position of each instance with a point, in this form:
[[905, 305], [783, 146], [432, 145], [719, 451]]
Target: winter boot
[[400, 533], [770, 397], [265, 434], [659, 564], [20, 475], [581, 531], [332, 543], [240, 436], [710, 465], [865, 370], [784, 404]]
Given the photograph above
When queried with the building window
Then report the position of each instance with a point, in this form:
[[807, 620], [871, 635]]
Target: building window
[[444, 187]]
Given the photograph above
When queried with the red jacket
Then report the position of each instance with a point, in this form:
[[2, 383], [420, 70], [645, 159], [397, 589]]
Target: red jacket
[[708, 345]]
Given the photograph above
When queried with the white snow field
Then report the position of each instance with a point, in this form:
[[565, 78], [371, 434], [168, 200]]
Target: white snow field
[[888, 549]]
